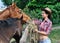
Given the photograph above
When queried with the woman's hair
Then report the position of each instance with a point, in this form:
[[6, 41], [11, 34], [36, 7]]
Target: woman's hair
[[47, 11]]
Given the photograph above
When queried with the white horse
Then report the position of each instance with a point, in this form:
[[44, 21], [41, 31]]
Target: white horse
[[29, 36]]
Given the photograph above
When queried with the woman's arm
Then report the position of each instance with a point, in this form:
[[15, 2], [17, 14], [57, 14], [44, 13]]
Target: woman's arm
[[46, 28], [41, 32]]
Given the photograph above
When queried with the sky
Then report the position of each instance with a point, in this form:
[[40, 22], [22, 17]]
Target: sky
[[2, 7]]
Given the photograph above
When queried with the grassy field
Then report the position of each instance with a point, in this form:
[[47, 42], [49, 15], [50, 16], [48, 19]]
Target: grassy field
[[55, 36]]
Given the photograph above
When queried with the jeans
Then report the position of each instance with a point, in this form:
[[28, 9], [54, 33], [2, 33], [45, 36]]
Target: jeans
[[45, 41]]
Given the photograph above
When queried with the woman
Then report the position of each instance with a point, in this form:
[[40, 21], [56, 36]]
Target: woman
[[45, 26]]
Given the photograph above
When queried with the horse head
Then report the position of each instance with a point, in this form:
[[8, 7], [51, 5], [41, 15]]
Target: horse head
[[14, 12], [18, 13]]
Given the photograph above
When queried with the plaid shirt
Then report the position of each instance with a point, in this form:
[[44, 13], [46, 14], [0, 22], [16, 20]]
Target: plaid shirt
[[45, 25]]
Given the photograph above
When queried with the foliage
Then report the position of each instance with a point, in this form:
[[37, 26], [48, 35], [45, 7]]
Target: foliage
[[20, 3]]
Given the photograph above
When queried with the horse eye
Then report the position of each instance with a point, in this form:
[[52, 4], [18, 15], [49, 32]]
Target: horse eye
[[19, 12]]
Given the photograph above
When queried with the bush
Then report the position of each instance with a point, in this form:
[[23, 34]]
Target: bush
[[33, 9]]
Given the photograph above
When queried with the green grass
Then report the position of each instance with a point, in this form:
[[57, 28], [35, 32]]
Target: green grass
[[55, 36]]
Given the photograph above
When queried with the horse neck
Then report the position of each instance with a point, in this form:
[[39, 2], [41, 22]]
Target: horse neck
[[4, 14], [17, 28]]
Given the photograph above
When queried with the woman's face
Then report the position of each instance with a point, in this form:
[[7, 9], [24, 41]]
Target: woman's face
[[44, 15]]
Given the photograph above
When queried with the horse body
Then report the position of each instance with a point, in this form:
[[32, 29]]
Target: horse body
[[8, 30]]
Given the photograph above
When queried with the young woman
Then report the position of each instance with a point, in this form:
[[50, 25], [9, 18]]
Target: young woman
[[45, 26]]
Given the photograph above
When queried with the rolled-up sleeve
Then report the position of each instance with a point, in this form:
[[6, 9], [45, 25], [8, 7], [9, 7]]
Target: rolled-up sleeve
[[48, 29]]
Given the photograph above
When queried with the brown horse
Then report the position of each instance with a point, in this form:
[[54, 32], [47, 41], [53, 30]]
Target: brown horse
[[10, 23]]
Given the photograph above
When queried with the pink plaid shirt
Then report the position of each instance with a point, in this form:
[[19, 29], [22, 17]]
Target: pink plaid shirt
[[45, 25]]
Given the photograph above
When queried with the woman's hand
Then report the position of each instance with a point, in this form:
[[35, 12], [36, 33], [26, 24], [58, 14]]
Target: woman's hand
[[36, 30]]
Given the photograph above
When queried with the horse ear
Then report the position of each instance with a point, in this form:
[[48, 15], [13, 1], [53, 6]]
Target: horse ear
[[13, 4]]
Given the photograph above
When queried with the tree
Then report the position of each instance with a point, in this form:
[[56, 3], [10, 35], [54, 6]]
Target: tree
[[32, 7], [20, 3]]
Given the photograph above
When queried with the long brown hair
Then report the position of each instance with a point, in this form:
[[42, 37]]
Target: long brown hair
[[47, 12]]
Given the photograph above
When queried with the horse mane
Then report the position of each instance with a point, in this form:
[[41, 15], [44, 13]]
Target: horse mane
[[8, 22]]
